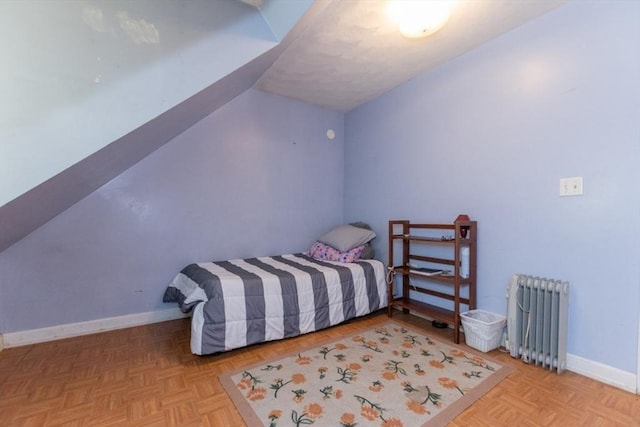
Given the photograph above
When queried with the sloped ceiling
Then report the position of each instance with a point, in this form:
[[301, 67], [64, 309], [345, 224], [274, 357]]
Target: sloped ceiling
[[351, 53]]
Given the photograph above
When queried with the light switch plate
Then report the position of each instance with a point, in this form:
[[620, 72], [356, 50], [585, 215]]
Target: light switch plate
[[571, 186]]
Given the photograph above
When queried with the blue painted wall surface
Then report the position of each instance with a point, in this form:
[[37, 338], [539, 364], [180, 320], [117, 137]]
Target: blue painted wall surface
[[257, 177], [490, 134]]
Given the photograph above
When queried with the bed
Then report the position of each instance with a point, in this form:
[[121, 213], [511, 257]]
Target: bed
[[240, 302]]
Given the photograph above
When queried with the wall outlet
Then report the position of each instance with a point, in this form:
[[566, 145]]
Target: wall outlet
[[571, 186]]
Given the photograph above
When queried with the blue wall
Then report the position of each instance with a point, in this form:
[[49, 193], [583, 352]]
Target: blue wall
[[257, 177], [490, 134]]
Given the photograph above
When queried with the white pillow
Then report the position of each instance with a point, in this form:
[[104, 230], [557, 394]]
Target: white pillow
[[346, 237]]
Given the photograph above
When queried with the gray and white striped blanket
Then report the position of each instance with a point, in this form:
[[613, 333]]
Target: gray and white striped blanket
[[246, 301]]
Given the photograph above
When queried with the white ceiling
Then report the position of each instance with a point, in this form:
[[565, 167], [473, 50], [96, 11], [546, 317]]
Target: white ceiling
[[350, 53]]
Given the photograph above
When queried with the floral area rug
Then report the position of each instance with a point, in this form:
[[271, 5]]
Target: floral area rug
[[390, 375]]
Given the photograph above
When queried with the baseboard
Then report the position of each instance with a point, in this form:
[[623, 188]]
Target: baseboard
[[603, 373], [34, 336]]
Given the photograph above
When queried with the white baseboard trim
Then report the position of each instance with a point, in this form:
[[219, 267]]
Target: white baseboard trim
[[34, 336], [603, 373]]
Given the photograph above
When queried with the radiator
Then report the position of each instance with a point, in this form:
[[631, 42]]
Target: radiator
[[537, 321]]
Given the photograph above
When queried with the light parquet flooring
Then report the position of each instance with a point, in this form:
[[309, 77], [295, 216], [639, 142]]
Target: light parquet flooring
[[146, 376]]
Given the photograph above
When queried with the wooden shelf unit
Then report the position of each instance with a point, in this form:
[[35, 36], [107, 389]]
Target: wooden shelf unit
[[419, 241]]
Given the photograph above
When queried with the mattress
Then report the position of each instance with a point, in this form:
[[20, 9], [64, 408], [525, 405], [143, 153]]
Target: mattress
[[240, 302]]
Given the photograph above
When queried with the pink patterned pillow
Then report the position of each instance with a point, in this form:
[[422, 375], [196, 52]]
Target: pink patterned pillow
[[325, 252]]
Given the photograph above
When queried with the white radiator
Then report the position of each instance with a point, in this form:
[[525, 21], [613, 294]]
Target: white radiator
[[537, 321]]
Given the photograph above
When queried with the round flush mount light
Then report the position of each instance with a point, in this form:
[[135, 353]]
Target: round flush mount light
[[419, 18], [331, 134]]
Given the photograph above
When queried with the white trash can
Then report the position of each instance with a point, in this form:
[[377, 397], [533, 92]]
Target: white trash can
[[482, 329]]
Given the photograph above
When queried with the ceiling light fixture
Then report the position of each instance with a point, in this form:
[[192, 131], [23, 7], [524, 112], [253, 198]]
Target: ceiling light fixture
[[419, 18]]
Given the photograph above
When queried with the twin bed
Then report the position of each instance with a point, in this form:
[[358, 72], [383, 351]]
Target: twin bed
[[240, 302]]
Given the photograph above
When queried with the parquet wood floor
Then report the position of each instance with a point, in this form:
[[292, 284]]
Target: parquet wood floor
[[146, 376]]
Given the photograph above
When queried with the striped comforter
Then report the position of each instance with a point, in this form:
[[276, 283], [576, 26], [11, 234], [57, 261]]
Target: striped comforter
[[246, 301]]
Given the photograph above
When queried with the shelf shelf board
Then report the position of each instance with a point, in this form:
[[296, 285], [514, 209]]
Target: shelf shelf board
[[429, 239], [443, 278], [445, 296], [448, 278], [433, 311], [426, 239]]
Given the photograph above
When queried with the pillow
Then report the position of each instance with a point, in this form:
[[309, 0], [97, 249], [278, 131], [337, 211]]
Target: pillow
[[369, 252], [322, 251], [346, 237], [361, 224]]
